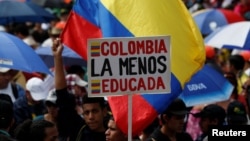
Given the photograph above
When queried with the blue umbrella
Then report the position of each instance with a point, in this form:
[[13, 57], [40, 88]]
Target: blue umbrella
[[14, 11], [206, 86], [69, 57], [16, 54], [49, 3]]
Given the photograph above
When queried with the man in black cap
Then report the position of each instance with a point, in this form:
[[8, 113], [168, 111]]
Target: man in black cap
[[236, 113], [173, 122], [210, 115], [6, 118]]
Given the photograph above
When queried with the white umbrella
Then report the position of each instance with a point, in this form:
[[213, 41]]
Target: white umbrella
[[232, 36]]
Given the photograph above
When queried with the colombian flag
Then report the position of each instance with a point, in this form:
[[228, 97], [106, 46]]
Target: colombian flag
[[135, 18]]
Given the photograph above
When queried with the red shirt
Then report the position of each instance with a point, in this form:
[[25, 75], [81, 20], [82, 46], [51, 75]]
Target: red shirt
[[241, 9]]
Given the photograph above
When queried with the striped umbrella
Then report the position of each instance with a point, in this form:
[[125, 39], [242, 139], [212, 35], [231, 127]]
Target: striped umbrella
[[210, 19], [232, 36]]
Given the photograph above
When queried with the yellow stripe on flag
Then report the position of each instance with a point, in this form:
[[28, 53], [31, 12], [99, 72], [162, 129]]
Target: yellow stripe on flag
[[164, 17]]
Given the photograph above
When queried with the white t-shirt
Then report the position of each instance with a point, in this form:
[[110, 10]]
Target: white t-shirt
[[9, 92], [47, 43]]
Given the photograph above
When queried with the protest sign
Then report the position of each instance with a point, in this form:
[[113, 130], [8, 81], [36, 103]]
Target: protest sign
[[118, 66]]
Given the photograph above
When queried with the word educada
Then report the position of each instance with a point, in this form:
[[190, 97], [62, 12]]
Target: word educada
[[132, 84]]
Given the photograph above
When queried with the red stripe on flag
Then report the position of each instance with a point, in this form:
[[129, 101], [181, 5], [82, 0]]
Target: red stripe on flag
[[76, 33], [120, 113]]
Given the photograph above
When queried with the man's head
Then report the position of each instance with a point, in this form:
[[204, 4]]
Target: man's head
[[35, 90], [211, 115], [43, 130], [55, 32], [94, 111], [5, 77], [6, 114], [113, 133], [76, 85], [173, 117], [51, 104], [76, 69], [21, 30], [236, 113], [37, 130], [236, 63]]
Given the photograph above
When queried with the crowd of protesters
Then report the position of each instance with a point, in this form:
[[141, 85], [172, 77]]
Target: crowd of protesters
[[63, 112]]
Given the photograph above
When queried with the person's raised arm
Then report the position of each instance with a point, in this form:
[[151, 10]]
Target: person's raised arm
[[60, 81]]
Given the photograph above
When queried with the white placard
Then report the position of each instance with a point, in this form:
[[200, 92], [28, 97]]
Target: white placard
[[118, 66]]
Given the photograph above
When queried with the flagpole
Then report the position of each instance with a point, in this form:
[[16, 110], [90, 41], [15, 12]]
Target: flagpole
[[130, 99]]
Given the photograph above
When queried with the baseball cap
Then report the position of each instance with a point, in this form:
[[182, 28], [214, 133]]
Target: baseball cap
[[36, 88], [177, 107], [55, 31], [212, 111], [73, 79], [51, 96], [4, 70], [236, 112]]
